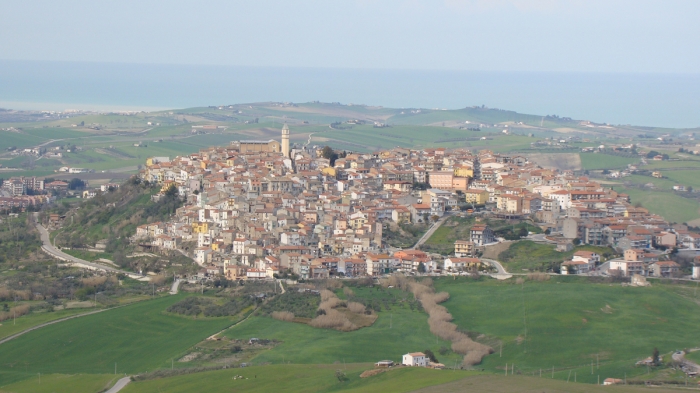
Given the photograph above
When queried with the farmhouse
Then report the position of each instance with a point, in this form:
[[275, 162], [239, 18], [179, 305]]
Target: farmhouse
[[416, 359]]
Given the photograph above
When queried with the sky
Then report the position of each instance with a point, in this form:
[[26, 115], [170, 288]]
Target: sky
[[618, 36]]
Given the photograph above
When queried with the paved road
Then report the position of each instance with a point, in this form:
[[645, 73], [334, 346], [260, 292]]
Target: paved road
[[540, 238], [119, 385], [430, 231], [497, 265], [14, 336], [56, 253], [173, 289]]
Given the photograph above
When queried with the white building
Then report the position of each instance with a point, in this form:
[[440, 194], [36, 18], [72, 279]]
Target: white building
[[414, 359]]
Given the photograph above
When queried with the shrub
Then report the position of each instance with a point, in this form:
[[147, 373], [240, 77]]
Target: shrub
[[94, 281], [333, 319], [538, 277], [15, 312], [356, 307], [439, 321], [283, 315], [326, 294]]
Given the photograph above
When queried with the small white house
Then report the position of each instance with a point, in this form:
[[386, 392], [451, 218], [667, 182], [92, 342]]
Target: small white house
[[414, 359]]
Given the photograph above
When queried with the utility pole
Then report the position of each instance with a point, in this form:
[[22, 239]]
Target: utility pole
[[506, 369], [552, 372], [115, 368]]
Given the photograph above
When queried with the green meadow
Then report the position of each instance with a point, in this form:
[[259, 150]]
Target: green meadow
[[139, 337], [570, 324], [300, 378], [52, 383], [301, 343], [673, 208]]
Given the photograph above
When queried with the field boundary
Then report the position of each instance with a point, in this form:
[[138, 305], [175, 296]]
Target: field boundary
[[14, 336]]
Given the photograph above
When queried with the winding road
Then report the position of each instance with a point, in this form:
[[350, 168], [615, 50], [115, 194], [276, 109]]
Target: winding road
[[48, 248]]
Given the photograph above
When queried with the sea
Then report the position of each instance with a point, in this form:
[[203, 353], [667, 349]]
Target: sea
[[655, 100]]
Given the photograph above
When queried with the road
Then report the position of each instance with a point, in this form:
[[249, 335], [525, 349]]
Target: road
[[56, 253], [173, 289], [680, 358], [430, 232], [540, 238], [14, 336], [119, 385]]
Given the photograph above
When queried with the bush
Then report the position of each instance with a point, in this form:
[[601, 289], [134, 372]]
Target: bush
[[283, 315], [356, 307], [538, 277], [333, 319], [301, 304]]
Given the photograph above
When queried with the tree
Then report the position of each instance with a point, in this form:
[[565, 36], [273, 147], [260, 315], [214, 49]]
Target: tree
[[75, 184], [576, 241], [341, 376], [522, 232], [547, 231], [328, 153], [421, 267], [430, 355], [655, 359]]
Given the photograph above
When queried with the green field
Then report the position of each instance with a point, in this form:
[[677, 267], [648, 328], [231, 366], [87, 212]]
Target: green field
[[300, 378], [592, 161], [52, 383], [527, 255], [138, 337], [301, 343], [693, 356], [10, 327], [321, 378], [672, 207], [568, 323]]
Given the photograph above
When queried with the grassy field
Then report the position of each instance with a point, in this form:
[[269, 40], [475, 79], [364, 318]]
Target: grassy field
[[138, 337], [569, 324], [321, 378], [527, 255], [517, 383], [693, 356], [672, 207], [300, 378], [52, 383], [301, 343], [592, 161], [10, 327], [457, 228]]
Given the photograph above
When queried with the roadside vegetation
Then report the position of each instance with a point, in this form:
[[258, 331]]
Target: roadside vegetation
[[526, 255]]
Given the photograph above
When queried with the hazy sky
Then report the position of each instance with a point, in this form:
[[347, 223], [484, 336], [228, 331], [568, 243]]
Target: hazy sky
[[522, 35]]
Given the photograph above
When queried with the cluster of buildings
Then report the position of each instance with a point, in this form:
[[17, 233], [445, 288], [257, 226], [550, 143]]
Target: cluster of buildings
[[13, 193], [256, 209]]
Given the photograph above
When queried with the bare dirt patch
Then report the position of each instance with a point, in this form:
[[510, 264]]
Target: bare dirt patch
[[492, 252], [562, 161]]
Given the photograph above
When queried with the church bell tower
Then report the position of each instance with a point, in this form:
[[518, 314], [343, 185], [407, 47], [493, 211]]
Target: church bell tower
[[285, 140]]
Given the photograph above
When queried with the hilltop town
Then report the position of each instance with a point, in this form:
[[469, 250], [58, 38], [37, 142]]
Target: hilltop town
[[260, 209]]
